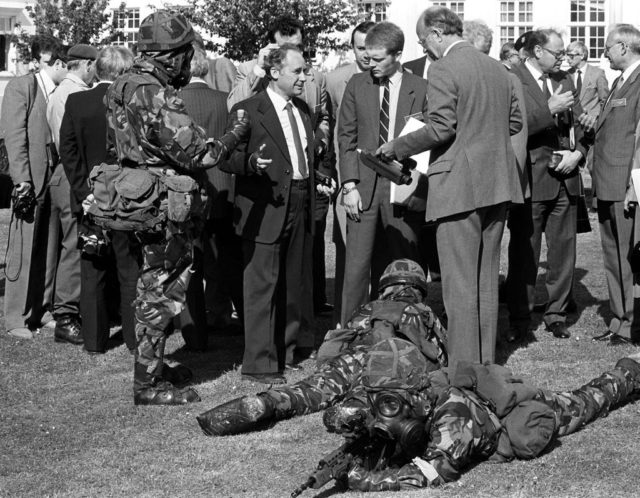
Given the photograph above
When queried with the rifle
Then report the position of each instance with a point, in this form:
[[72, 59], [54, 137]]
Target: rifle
[[397, 172], [333, 466]]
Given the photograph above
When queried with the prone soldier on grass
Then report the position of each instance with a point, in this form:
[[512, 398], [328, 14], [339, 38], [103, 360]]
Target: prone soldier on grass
[[156, 191]]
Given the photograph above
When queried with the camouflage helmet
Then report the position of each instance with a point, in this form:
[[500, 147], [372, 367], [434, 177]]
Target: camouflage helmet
[[403, 271], [163, 31], [395, 364]]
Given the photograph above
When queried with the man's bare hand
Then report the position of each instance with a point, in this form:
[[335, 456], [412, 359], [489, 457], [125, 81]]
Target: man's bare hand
[[569, 161], [258, 160], [587, 121], [630, 199], [352, 204], [86, 204], [560, 102], [386, 152], [264, 51], [326, 191]]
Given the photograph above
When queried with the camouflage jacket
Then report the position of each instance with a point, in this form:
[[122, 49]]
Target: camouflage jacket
[[150, 123]]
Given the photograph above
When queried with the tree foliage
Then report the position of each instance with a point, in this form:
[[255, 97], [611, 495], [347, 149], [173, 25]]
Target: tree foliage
[[244, 23]]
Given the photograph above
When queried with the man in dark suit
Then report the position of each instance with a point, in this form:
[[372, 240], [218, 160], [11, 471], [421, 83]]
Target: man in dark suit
[[590, 81], [472, 177], [553, 109], [221, 257], [614, 149], [83, 145], [373, 110], [274, 203], [29, 284]]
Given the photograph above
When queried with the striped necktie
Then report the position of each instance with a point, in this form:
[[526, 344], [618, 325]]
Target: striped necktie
[[384, 113], [302, 163]]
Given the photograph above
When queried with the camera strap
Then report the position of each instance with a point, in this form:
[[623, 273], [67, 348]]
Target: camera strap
[[17, 224]]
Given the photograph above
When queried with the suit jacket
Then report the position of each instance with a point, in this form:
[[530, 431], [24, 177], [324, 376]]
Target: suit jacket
[[222, 73], [548, 133], [359, 124], [472, 113], [416, 66], [261, 199], [26, 132], [83, 140], [315, 95], [519, 140], [594, 91], [614, 147], [208, 108]]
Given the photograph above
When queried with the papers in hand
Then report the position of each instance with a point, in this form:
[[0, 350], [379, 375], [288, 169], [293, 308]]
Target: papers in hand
[[400, 193]]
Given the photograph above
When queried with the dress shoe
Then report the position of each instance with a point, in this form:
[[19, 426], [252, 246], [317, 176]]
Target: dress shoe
[[322, 308], [21, 333], [618, 340], [572, 307], [179, 375], [267, 378], [516, 332], [559, 330], [68, 330], [94, 353], [291, 367], [165, 393], [603, 337]]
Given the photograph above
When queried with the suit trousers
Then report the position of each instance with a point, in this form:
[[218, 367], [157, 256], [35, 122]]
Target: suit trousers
[[469, 252], [557, 219], [616, 233], [124, 255], [63, 234], [363, 266], [274, 279]]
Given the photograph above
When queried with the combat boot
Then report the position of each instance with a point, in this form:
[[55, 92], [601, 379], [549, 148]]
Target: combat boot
[[161, 392], [633, 367], [238, 415]]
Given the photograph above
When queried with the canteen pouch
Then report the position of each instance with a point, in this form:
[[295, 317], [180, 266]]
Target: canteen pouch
[[102, 181], [138, 190], [183, 197]]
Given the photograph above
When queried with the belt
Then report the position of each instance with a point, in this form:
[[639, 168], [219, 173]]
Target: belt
[[304, 183]]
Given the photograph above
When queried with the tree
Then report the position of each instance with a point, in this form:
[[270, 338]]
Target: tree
[[244, 23]]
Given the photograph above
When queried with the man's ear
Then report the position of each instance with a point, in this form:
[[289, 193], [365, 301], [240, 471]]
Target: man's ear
[[274, 72]]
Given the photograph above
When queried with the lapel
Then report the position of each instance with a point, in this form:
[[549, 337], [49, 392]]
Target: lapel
[[269, 120], [531, 86], [405, 103], [626, 89], [372, 94]]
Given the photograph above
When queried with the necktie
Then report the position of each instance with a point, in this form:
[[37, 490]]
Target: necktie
[[384, 114], [302, 164], [545, 87], [579, 81]]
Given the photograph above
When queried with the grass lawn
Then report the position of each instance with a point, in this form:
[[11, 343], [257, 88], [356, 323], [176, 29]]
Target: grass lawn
[[68, 426]]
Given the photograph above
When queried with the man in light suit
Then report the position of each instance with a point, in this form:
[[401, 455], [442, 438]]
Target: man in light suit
[[472, 178], [374, 108], [274, 204], [614, 151], [590, 81], [553, 109], [336, 83], [29, 286]]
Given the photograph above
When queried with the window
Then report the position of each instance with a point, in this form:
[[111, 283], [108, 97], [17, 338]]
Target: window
[[6, 30], [587, 24], [516, 18], [372, 11], [456, 7], [127, 22]]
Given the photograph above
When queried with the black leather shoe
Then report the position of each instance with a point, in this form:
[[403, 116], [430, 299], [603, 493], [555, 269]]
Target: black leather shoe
[[68, 330], [516, 332], [164, 393], [559, 330], [293, 368], [323, 308], [268, 378], [178, 376], [602, 337], [618, 340]]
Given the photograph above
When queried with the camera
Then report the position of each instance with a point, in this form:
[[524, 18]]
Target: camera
[[322, 179], [92, 244], [24, 204]]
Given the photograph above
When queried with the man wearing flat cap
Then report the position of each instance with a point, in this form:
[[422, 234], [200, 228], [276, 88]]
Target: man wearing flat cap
[[63, 230]]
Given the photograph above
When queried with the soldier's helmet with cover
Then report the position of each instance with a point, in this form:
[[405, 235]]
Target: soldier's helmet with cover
[[403, 273]]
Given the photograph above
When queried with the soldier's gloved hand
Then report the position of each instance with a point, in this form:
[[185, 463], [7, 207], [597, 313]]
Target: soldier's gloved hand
[[236, 416], [348, 418], [406, 477], [238, 127]]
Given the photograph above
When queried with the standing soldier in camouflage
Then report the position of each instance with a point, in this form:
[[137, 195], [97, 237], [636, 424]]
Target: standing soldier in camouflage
[[162, 155]]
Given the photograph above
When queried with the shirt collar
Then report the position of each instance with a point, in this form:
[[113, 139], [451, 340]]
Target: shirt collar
[[76, 79], [196, 79], [396, 77], [47, 83], [279, 102], [448, 49], [535, 72], [627, 72]]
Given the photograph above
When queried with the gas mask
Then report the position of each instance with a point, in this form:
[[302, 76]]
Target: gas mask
[[397, 418]]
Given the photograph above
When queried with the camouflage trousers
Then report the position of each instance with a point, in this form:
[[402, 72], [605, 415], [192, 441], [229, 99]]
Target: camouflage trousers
[[160, 296]]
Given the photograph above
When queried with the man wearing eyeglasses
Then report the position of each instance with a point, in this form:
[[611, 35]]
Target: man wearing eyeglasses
[[590, 81], [614, 148], [555, 150]]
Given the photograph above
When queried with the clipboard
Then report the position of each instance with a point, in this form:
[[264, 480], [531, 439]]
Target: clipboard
[[400, 193]]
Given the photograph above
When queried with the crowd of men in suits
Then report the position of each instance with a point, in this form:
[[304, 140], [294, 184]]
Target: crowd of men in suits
[[506, 138]]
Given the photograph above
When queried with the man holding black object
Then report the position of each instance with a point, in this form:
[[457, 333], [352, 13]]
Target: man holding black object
[[472, 177], [373, 110]]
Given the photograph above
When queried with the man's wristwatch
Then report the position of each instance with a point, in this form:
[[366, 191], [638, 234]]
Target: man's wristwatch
[[346, 190]]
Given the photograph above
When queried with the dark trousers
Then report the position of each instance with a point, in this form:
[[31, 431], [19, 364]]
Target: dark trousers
[[274, 283], [469, 250], [124, 258], [557, 219], [616, 233], [363, 264], [319, 269]]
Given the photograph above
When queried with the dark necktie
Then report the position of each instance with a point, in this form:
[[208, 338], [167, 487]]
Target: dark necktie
[[302, 164], [384, 113], [545, 87], [579, 82]]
